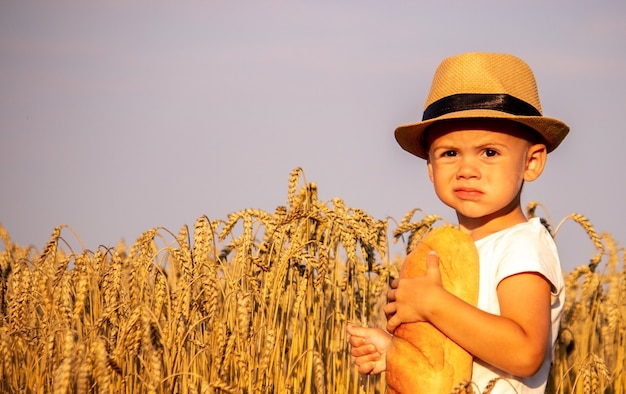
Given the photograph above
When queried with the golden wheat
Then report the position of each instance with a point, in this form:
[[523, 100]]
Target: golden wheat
[[255, 303]]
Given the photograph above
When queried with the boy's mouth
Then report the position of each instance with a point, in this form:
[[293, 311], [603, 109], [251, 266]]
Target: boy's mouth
[[467, 193]]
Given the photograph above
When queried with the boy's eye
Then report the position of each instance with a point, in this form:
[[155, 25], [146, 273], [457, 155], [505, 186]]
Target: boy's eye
[[490, 152], [449, 153]]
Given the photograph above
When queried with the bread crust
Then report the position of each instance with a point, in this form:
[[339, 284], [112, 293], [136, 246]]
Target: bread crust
[[421, 359]]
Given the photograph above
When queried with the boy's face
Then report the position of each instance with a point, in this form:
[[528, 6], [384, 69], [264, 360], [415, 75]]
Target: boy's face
[[478, 167]]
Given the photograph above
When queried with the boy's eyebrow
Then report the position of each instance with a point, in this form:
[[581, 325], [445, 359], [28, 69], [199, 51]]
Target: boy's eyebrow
[[440, 147], [478, 146], [491, 143]]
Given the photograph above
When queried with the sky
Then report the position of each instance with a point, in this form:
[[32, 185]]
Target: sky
[[120, 116]]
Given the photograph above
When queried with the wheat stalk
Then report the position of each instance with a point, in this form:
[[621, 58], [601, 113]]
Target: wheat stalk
[[591, 232]]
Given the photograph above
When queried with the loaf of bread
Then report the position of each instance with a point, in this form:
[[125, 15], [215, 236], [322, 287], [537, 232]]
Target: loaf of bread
[[421, 359]]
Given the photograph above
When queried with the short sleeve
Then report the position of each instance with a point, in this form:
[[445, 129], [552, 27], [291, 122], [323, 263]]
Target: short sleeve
[[530, 249]]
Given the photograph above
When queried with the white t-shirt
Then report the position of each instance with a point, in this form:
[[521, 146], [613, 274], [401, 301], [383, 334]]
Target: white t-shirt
[[525, 247]]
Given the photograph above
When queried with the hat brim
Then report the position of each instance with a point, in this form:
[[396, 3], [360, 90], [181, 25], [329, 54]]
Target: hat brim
[[409, 136]]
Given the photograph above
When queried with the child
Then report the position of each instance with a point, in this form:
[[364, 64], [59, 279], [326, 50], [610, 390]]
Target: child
[[482, 136]]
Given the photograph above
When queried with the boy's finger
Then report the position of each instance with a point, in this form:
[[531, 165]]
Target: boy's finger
[[366, 369], [391, 295], [364, 353], [390, 309], [393, 323], [432, 266], [432, 263], [356, 341], [432, 259], [356, 330]]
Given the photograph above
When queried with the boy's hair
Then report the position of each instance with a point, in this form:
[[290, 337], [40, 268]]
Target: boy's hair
[[487, 86]]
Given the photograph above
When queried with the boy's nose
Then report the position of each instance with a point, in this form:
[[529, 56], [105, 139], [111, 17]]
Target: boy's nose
[[468, 168]]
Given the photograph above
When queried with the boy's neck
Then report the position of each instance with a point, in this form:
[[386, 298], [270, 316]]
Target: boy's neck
[[481, 227]]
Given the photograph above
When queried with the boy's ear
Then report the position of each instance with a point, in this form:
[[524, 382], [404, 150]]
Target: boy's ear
[[430, 170], [536, 158]]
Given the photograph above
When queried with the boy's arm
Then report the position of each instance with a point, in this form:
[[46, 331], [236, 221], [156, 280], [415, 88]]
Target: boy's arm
[[515, 341]]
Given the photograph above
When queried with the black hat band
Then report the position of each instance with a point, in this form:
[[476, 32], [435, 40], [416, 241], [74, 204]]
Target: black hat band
[[468, 101]]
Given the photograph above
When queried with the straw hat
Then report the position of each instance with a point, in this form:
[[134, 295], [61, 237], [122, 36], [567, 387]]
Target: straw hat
[[482, 85]]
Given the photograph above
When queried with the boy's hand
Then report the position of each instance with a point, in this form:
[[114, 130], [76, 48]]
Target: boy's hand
[[369, 348], [409, 298]]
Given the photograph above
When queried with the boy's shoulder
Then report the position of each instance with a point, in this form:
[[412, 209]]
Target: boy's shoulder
[[525, 247], [530, 230]]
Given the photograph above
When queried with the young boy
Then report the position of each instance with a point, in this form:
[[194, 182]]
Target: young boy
[[482, 136]]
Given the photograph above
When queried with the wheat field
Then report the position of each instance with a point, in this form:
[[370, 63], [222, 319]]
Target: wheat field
[[255, 303]]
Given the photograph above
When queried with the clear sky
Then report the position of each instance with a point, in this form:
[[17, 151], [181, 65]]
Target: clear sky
[[119, 116]]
